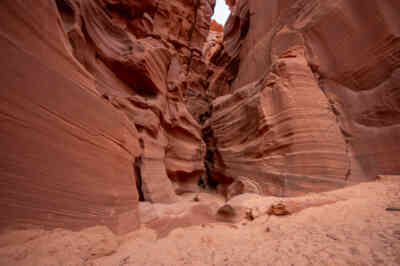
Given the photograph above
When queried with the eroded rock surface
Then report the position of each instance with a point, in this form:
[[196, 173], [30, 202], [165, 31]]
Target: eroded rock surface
[[93, 108], [109, 102], [306, 94]]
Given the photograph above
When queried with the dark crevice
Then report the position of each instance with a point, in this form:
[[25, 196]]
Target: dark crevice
[[204, 117], [123, 10], [66, 11], [138, 172], [211, 157], [138, 175], [245, 26]]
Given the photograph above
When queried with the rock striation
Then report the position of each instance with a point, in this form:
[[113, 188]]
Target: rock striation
[[306, 95], [93, 113], [106, 103]]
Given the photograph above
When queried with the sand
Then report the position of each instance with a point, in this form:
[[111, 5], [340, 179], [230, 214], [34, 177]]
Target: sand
[[350, 226]]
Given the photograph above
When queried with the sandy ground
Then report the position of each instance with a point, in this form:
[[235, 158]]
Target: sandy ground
[[344, 227]]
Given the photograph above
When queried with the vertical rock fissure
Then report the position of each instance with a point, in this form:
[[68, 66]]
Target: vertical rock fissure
[[138, 172], [190, 34], [138, 175], [210, 141]]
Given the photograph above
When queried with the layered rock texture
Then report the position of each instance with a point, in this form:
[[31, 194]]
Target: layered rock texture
[[106, 103], [93, 114], [306, 96]]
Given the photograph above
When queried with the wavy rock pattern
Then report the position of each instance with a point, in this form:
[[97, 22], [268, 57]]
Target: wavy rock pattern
[[270, 129], [93, 114], [109, 102], [306, 106]]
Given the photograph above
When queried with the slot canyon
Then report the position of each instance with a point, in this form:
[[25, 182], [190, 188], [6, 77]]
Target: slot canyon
[[143, 132]]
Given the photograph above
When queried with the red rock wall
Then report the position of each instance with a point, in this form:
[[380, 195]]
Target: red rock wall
[[308, 94], [66, 155], [107, 102], [93, 108]]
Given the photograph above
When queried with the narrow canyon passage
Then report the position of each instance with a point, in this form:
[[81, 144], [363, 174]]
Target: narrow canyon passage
[[157, 133]]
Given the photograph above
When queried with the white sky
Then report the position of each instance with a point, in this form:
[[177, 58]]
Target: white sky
[[221, 12]]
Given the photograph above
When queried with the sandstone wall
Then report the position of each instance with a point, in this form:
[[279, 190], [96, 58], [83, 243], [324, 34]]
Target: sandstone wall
[[306, 95], [106, 103], [93, 114]]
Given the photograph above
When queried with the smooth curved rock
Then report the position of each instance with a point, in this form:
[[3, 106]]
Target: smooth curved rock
[[303, 106], [93, 108], [109, 102], [278, 127], [66, 157]]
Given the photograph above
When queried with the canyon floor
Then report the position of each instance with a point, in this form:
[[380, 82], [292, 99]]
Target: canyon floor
[[351, 226]]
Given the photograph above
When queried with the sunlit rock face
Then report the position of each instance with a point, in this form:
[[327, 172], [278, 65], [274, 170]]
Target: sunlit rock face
[[306, 96], [93, 108]]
